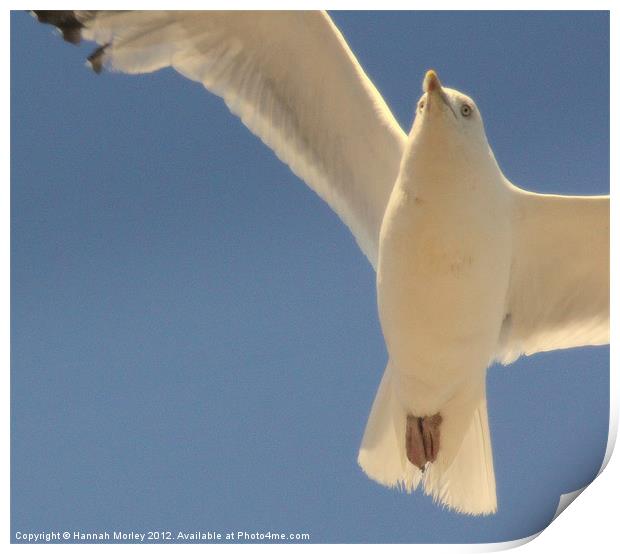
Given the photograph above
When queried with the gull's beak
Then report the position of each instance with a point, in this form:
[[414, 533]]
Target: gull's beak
[[434, 91], [431, 81]]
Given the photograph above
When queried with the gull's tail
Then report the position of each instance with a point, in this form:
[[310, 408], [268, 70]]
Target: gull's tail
[[462, 476]]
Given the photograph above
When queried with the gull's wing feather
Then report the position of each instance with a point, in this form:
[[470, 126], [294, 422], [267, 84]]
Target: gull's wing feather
[[292, 80], [559, 290]]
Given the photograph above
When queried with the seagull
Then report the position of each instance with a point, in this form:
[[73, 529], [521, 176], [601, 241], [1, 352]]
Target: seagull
[[471, 269]]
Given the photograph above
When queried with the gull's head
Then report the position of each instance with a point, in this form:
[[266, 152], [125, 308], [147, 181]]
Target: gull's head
[[447, 135], [447, 112]]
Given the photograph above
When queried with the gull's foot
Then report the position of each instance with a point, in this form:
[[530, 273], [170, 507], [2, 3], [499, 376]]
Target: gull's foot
[[422, 439]]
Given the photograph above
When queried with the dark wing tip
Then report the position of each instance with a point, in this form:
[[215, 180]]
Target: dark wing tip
[[71, 28], [65, 21], [96, 59]]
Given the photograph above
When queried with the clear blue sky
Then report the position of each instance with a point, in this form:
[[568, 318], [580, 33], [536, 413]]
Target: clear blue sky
[[195, 343]]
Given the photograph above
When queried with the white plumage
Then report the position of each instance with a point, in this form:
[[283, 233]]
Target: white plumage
[[471, 269]]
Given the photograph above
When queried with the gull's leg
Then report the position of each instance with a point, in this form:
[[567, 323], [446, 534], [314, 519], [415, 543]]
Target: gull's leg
[[422, 439], [414, 443], [430, 436]]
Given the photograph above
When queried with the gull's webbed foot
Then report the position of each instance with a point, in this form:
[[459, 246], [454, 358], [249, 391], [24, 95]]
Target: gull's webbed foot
[[422, 439]]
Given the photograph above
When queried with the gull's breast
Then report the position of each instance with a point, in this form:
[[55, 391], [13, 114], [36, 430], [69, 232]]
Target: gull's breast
[[441, 283]]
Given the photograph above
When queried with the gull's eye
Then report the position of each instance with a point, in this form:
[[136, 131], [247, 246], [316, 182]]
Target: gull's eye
[[421, 105], [466, 110]]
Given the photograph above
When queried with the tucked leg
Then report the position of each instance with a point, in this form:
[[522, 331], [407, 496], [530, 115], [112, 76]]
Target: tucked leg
[[422, 439], [414, 442], [430, 436]]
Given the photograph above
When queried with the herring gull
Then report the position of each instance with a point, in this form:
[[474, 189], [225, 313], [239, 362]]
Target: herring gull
[[471, 269]]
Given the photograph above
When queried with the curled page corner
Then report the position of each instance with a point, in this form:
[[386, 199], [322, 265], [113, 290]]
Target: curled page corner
[[565, 500]]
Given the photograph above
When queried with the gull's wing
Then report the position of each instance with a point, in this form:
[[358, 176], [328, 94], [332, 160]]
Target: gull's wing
[[559, 290], [289, 76]]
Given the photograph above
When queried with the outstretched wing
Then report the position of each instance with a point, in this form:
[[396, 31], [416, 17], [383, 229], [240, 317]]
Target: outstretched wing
[[559, 291], [289, 76]]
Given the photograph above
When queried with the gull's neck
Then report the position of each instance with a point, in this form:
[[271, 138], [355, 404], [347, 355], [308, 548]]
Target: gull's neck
[[446, 163]]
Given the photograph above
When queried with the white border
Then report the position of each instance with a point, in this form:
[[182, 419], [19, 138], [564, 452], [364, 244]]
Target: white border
[[590, 523]]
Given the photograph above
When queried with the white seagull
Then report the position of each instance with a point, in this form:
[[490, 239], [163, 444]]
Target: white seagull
[[470, 268]]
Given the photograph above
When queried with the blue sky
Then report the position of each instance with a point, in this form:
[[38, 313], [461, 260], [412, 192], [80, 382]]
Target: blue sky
[[195, 343]]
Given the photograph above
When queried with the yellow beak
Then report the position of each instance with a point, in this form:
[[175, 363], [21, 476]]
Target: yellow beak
[[431, 81], [432, 86]]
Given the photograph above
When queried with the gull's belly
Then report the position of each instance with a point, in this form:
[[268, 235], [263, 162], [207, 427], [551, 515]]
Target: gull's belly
[[441, 284]]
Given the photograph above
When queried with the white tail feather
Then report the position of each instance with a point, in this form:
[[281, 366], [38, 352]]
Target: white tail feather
[[462, 477]]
